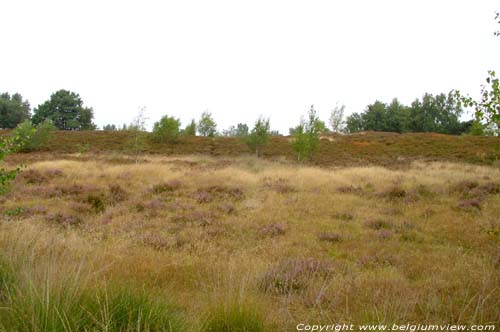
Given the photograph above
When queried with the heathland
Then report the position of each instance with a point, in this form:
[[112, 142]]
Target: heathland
[[97, 234]]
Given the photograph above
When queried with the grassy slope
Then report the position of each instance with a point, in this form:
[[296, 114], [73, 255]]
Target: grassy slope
[[254, 243], [387, 149]]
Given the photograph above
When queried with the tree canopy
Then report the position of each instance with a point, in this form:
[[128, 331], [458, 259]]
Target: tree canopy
[[13, 110], [440, 114], [66, 111], [166, 130], [207, 125], [259, 136]]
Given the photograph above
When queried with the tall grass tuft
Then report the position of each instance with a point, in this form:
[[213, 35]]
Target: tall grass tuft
[[233, 317], [51, 292]]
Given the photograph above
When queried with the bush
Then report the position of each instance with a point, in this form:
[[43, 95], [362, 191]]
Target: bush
[[166, 130], [306, 136], [6, 176], [293, 275], [27, 137]]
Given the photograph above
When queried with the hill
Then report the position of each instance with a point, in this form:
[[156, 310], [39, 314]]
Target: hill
[[374, 148]]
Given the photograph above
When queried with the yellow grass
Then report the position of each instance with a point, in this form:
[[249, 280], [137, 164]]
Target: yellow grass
[[431, 261]]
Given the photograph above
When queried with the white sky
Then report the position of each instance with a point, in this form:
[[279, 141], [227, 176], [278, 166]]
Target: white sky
[[240, 59]]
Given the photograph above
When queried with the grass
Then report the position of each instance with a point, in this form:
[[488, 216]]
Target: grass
[[98, 242]]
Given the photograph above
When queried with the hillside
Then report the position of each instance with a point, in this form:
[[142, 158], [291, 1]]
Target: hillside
[[375, 148]]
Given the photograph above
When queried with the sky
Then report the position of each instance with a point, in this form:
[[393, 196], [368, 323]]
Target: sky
[[242, 59]]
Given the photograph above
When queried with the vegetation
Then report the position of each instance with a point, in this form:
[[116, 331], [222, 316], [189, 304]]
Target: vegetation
[[110, 127], [336, 120], [190, 129], [199, 243], [207, 125], [65, 110], [166, 130], [138, 139], [306, 136], [259, 136], [27, 138], [241, 130], [13, 110], [438, 114], [6, 175], [487, 109]]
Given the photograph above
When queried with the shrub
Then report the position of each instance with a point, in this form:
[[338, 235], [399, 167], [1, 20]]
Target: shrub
[[97, 202], [166, 130], [273, 230], [470, 204], [329, 237], [293, 275], [306, 136], [29, 138], [117, 193], [394, 193], [168, 186], [6, 176], [64, 220], [279, 185], [377, 224]]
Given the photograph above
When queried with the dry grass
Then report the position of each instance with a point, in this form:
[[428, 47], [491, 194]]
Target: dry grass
[[268, 244]]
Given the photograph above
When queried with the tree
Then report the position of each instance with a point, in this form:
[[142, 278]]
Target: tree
[[66, 111], [440, 113], [336, 120], [397, 117], [138, 141], [166, 130], [109, 127], [259, 136], [487, 109], [13, 110], [306, 136], [241, 130], [207, 125], [190, 129], [354, 123]]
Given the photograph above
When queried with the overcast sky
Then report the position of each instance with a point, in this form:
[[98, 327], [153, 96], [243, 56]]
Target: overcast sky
[[240, 59]]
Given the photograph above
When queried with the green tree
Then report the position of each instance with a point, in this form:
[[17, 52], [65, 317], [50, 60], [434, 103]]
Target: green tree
[[354, 123], [306, 136], [7, 146], [109, 127], [397, 117], [190, 129], [207, 125], [166, 130], [13, 110], [487, 108], [241, 130], [66, 111], [137, 143], [259, 136]]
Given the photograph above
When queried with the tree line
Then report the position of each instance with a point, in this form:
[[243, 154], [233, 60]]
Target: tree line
[[440, 113]]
